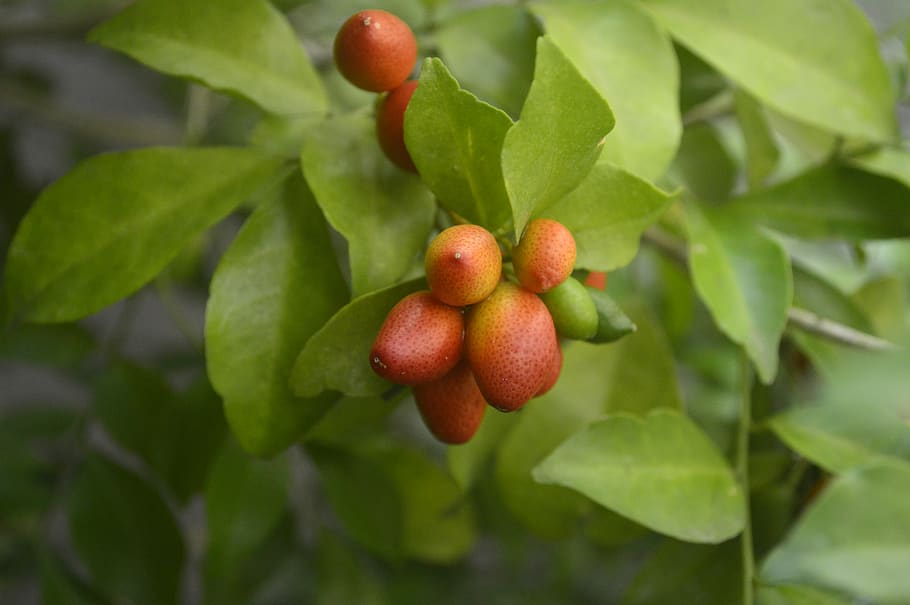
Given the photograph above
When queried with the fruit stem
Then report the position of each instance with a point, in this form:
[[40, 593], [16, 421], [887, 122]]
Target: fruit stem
[[742, 472]]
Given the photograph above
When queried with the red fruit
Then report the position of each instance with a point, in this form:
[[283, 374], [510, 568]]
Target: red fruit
[[375, 50], [509, 342], [544, 257], [597, 280], [553, 372], [463, 265], [420, 340], [390, 125], [452, 407]]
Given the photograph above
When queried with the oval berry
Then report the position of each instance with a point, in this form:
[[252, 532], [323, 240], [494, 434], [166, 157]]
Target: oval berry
[[390, 125], [463, 265], [375, 50], [451, 407], [544, 257], [572, 308]]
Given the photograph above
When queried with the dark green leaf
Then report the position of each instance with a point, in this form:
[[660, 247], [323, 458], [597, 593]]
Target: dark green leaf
[[351, 419], [274, 288], [761, 150], [337, 356], [745, 279], [385, 213], [853, 539], [63, 346], [116, 220], [630, 61], [343, 577], [469, 461], [796, 594], [240, 46], [455, 141], [607, 214], [612, 323], [125, 534], [559, 136], [58, 587], [703, 164], [889, 162], [662, 472]]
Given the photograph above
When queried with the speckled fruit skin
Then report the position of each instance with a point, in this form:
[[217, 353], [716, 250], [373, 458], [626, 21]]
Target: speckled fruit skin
[[463, 265], [451, 407], [572, 309], [509, 341], [390, 125], [554, 371], [544, 257], [375, 50], [420, 340]]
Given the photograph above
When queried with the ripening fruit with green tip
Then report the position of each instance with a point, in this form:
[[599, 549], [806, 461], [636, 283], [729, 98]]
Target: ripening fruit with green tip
[[452, 407], [509, 342], [573, 310], [463, 265], [420, 340], [544, 257], [375, 50], [390, 125]]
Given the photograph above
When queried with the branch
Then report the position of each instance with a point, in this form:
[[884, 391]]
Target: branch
[[803, 319]]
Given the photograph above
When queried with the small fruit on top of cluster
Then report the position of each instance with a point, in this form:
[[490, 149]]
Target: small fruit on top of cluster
[[375, 50], [390, 125], [463, 265], [545, 256], [420, 340]]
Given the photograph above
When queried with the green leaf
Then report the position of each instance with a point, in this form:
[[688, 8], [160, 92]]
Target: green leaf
[[888, 162], [833, 201], [245, 499], [795, 594], [679, 572], [58, 587], [239, 46], [704, 165], [343, 577], [745, 279], [398, 502], [837, 81], [606, 41], [660, 471], [469, 461], [558, 138], [853, 538], [116, 220], [351, 419], [761, 150], [607, 214], [63, 346], [275, 287], [177, 435], [456, 140], [490, 49], [125, 534], [337, 356], [612, 323], [385, 213]]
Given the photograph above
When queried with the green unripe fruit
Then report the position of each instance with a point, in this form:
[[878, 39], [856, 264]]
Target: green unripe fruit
[[451, 407], [375, 50], [420, 340], [509, 342], [463, 265], [544, 257], [390, 125], [573, 310]]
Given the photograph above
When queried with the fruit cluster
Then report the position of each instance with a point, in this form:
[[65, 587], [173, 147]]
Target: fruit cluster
[[475, 338], [377, 51]]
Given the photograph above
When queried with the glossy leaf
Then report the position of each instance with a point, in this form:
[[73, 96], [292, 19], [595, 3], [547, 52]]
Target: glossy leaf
[[244, 501], [456, 140], [240, 46], [385, 214], [273, 289], [490, 50], [850, 539], [558, 137], [761, 150], [605, 41], [833, 201], [607, 214], [660, 471], [136, 561], [837, 81], [116, 220], [745, 279], [337, 356]]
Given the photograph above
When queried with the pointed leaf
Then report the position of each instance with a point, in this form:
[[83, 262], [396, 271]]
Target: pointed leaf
[[559, 136], [745, 280], [604, 39], [837, 81], [385, 214], [660, 471], [455, 141], [240, 46], [337, 356], [116, 220], [607, 214], [273, 289]]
